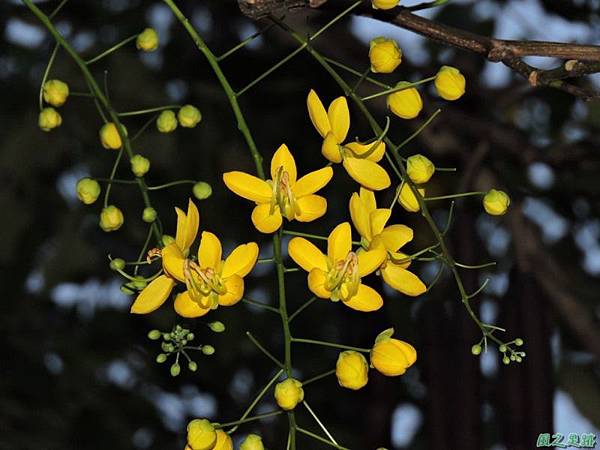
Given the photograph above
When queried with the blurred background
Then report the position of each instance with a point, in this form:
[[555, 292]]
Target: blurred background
[[77, 369]]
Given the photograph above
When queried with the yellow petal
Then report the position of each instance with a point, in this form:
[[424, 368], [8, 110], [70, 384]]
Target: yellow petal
[[407, 198], [402, 280], [317, 113], [395, 237], [173, 261], [306, 254], [368, 173], [312, 182], [339, 242], [186, 307], [311, 207], [316, 283], [187, 226], [339, 118], [400, 259], [209, 252], [331, 149], [359, 149], [248, 186], [368, 198], [369, 261], [235, 291], [241, 260], [283, 158], [378, 219], [264, 221], [153, 295], [360, 217], [366, 299]]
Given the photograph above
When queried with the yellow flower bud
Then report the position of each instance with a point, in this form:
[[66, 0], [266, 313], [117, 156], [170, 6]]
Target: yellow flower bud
[[352, 370], [55, 92], [419, 168], [166, 122], [147, 40], [384, 4], [406, 104], [224, 441], [189, 116], [392, 357], [109, 136], [201, 435], [384, 54], [49, 119], [407, 198], [496, 202], [202, 190], [88, 190], [252, 442], [111, 218], [450, 83], [139, 165], [289, 393]]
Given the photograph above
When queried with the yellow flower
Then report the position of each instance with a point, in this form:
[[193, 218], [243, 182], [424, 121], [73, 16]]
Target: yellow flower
[[166, 122], [283, 195], [111, 218], [49, 119], [384, 54], [139, 165], [419, 168], [496, 202], [407, 198], [370, 222], [390, 356], [224, 441], [289, 393], [252, 442], [147, 40], [384, 4], [88, 190], [109, 136], [201, 435], [337, 276], [209, 280], [359, 160], [450, 83], [189, 116], [407, 103], [55, 92], [352, 370]]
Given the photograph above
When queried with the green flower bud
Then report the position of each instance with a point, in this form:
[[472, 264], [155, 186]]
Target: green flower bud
[[502, 348], [476, 349], [88, 190], [208, 349], [111, 218], [513, 357], [149, 215], [147, 40], [175, 370], [166, 122], [506, 360], [192, 366], [202, 190], [139, 283], [166, 347], [154, 335], [55, 92], [166, 240], [189, 116], [117, 264], [190, 336], [217, 326], [49, 119], [518, 342], [161, 358], [126, 290], [139, 165]]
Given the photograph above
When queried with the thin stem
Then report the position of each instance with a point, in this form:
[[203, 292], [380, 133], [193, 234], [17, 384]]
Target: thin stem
[[57, 9], [265, 351], [320, 439], [397, 89], [318, 377], [260, 305], [330, 344], [244, 42], [248, 419], [46, 73], [355, 72], [477, 266], [148, 111], [144, 248], [112, 175], [171, 184], [325, 430], [111, 49], [446, 197], [302, 308], [143, 128], [419, 130], [306, 235], [361, 79]]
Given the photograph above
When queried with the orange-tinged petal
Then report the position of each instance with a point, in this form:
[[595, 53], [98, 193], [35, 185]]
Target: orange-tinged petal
[[283, 158], [235, 291], [241, 260], [311, 207], [402, 280], [173, 261], [312, 182], [378, 219], [186, 307], [368, 173], [317, 113], [359, 149], [396, 236], [339, 242], [306, 254], [264, 221], [187, 226], [339, 118], [153, 295], [248, 186], [366, 299], [360, 216], [331, 149], [316, 283], [209, 252], [369, 261]]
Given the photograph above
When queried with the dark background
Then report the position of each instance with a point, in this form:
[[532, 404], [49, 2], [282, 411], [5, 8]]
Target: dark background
[[77, 371]]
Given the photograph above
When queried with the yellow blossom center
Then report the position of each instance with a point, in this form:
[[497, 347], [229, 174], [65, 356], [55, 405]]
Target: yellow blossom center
[[283, 196], [203, 283], [343, 279]]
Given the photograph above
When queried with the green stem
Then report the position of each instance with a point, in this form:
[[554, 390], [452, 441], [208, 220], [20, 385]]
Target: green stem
[[302, 308], [318, 377], [330, 344], [320, 439], [171, 184], [111, 50], [396, 89], [148, 111], [325, 430], [260, 305], [355, 72], [244, 42], [267, 353], [446, 197], [46, 73], [248, 419], [418, 130], [112, 175], [57, 9]]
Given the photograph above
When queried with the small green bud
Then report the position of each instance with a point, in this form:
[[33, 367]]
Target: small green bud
[[126, 290], [117, 264], [217, 326], [189, 116], [166, 122], [139, 165], [506, 360], [167, 337], [166, 240], [175, 370], [149, 215], [518, 342], [502, 348], [208, 349], [192, 366], [167, 347], [202, 190], [523, 354], [190, 336], [518, 358], [513, 357], [476, 349], [88, 190], [154, 335], [161, 358]]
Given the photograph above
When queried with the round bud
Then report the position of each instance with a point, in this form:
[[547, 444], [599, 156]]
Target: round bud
[[55, 92], [289, 393], [201, 435], [450, 83], [167, 240], [139, 165], [513, 357], [149, 215], [217, 326], [419, 168], [167, 347], [406, 103], [384, 55], [352, 370], [189, 116], [166, 122], [147, 40], [496, 202], [208, 349], [192, 366], [506, 360], [161, 358], [117, 264], [518, 358], [476, 349], [518, 342], [252, 442], [88, 190], [202, 190], [175, 370], [154, 335], [49, 119], [502, 348], [110, 137], [111, 218], [190, 336]]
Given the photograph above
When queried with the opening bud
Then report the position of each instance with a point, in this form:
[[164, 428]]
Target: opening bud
[[189, 116], [88, 190], [111, 218], [55, 92], [252, 442], [147, 40], [166, 122], [201, 435], [139, 165], [384, 55]]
